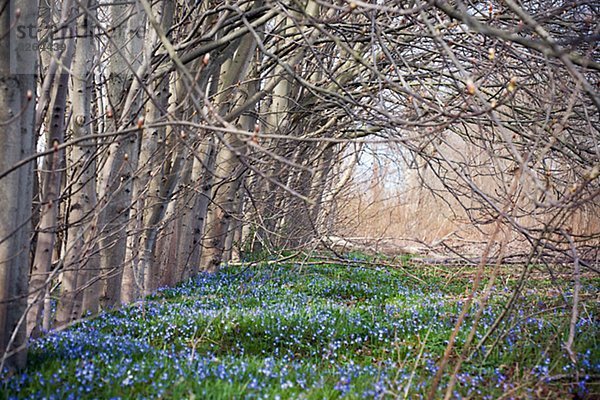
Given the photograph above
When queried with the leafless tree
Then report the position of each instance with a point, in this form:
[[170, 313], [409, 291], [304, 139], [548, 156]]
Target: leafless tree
[[177, 136]]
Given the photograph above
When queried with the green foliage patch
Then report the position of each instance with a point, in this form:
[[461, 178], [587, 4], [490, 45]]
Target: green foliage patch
[[315, 332]]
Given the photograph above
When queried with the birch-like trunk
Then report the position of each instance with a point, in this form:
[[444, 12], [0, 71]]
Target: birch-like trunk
[[82, 99], [228, 168], [151, 188], [50, 185], [195, 205], [79, 261], [115, 186], [17, 116], [195, 209]]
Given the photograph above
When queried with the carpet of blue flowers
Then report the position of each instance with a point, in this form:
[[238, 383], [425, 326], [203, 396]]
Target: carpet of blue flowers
[[309, 332]]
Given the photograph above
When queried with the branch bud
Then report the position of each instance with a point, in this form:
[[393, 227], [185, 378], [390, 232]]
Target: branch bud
[[512, 84], [471, 87]]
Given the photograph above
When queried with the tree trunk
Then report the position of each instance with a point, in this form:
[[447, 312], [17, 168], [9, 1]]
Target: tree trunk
[[193, 220], [17, 115], [79, 259], [151, 183], [50, 178], [82, 98], [115, 187], [228, 167]]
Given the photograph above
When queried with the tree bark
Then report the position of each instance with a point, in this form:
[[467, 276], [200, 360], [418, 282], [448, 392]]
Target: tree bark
[[17, 115], [151, 188], [80, 268], [50, 178], [115, 189], [228, 167]]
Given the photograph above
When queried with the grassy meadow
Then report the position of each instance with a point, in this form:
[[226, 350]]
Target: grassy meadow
[[319, 331]]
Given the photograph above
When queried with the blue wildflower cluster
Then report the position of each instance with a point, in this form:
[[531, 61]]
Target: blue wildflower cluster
[[297, 332]]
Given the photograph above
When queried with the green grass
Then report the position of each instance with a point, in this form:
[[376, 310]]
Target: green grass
[[315, 332]]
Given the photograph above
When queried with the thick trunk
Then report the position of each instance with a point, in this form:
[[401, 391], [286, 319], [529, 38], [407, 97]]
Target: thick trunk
[[17, 116]]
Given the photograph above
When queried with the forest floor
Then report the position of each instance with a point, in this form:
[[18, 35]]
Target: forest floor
[[321, 331]]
